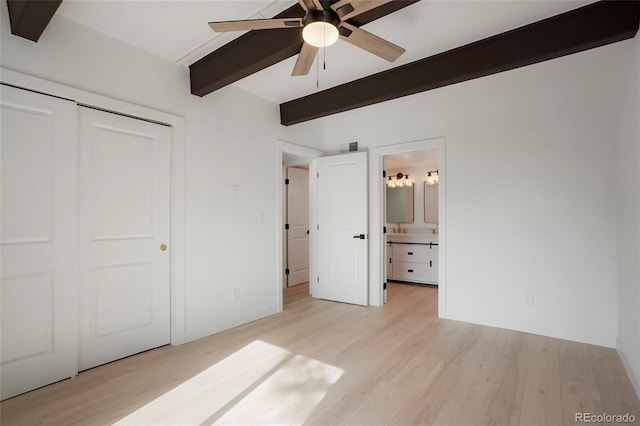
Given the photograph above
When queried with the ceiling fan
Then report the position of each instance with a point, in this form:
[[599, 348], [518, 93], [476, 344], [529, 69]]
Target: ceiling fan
[[322, 25]]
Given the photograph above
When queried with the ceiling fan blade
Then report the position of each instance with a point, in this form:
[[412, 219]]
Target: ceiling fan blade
[[305, 59], [304, 4], [255, 24], [370, 42], [310, 4], [349, 8]]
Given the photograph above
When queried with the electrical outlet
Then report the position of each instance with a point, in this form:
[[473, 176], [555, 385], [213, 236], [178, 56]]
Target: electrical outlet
[[235, 294], [528, 298]]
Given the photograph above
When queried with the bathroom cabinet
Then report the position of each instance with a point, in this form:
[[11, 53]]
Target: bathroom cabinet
[[412, 258]]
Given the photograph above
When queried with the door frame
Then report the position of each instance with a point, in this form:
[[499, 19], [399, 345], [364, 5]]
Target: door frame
[[177, 209], [283, 147], [377, 257]]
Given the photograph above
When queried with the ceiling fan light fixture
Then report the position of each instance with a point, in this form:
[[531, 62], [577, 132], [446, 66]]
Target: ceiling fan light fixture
[[321, 28], [320, 34]]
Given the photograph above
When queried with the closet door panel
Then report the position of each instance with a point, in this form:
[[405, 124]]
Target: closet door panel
[[124, 236], [37, 240]]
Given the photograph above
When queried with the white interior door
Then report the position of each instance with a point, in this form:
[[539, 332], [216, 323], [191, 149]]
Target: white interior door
[[342, 228], [298, 220], [124, 236], [38, 240]]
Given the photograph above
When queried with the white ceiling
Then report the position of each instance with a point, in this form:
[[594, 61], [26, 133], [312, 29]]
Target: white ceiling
[[178, 30]]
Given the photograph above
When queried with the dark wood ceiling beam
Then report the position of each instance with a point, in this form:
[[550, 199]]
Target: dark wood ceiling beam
[[29, 18], [257, 50], [585, 28]]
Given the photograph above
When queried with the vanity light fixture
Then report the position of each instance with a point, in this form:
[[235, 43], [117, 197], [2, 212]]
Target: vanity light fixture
[[399, 181], [432, 177]]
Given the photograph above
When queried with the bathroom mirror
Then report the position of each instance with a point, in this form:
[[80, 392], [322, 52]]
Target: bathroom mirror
[[430, 203], [400, 204]]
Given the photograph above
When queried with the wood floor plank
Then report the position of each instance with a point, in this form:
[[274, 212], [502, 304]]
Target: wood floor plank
[[326, 363], [465, 402], [579, 387], [380, 381], [505, 391], [378, 353], [541, 402], [425, 405]]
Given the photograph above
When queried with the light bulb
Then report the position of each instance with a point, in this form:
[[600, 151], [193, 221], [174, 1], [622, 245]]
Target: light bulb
[[320, 34]]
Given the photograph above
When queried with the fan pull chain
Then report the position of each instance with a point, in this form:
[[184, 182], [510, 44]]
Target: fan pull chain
[[324, 58], [324, 49]]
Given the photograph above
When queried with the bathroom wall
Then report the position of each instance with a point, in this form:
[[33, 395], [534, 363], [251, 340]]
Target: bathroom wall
[[418, 176]]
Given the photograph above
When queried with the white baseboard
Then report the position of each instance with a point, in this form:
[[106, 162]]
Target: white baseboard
[[573, 335], [232, 323]]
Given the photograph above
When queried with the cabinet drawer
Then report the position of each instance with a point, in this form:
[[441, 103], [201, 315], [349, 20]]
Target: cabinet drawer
[[409, 271], [413, 253]]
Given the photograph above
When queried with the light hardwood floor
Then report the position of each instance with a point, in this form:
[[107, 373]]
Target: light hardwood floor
[[325, 363]]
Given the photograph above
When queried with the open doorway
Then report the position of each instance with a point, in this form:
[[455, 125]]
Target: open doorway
[[296, 211], [411, 219], [296, 229], [377, 195], [293, 257]]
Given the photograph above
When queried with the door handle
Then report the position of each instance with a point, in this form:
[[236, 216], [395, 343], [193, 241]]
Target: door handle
[[359, 236]]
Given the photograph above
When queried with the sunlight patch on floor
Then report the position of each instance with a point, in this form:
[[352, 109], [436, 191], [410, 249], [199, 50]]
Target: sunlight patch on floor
[[258, 384], [286, 397]]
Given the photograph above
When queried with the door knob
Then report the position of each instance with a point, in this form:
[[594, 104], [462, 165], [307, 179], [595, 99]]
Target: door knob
[[360, 236], [163, 247]]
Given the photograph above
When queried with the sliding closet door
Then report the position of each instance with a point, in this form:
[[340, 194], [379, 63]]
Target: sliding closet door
[[124, 236], [37, 240]]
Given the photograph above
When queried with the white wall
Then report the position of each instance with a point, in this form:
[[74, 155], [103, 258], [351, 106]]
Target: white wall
[[628, 214], [230, 139], [530, 190]]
